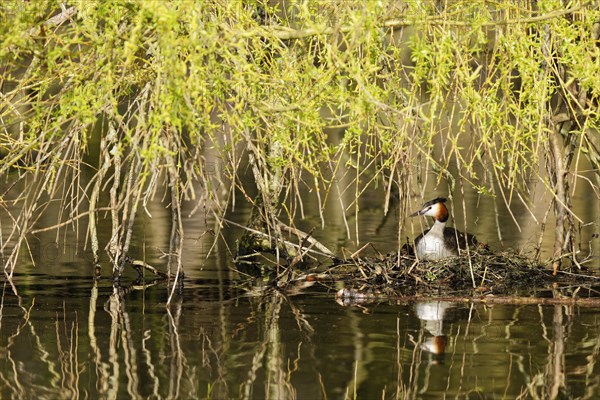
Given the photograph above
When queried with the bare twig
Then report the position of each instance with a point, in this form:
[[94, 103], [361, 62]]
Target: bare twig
[[58, 19], [310, 239], [148, 267], [287, 243]]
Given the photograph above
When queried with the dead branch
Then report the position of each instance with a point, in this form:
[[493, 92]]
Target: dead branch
[[285, 242], [58, 19], [142, 264], [307, 236]]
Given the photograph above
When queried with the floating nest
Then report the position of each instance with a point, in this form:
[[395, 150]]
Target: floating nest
[[480, 276], [479, 273]]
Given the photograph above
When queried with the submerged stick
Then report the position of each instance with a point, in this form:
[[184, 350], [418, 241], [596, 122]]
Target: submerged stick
[[350, 297], [512, 300]]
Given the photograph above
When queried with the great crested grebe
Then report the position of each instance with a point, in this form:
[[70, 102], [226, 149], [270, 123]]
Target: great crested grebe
[[438, 241]]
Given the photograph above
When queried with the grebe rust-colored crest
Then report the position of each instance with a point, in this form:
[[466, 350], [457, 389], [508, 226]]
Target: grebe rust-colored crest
[[439, 241]]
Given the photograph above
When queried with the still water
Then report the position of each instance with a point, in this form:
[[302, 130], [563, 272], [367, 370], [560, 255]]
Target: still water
[[65, 335], [70, 337]]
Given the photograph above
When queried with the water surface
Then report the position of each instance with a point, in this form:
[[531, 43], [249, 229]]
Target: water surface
[[64, 334], [69, 337]]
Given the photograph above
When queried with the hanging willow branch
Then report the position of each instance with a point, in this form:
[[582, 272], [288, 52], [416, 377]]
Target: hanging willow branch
[[330, 99]]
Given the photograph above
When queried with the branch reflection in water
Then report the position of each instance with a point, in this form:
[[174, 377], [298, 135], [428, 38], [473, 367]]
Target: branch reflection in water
[[219, 341]]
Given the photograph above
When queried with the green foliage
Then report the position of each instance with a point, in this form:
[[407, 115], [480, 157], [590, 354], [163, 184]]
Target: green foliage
[[177, 78]]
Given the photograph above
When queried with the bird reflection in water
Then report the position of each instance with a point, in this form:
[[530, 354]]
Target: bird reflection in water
[[432, 314]]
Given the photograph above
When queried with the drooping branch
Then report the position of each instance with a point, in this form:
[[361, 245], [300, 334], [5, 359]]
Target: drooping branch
[[286, 33], [58, 19]]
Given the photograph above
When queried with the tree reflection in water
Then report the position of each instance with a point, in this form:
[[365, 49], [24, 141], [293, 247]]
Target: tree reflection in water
[[217, 341]]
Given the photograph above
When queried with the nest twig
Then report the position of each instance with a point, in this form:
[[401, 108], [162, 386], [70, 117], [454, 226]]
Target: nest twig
[[498, 273]]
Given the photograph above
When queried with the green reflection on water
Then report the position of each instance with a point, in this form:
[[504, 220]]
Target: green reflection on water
[[79, 338]]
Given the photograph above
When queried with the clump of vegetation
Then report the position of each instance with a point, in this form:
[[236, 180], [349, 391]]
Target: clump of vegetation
[[481, 272], [105, 104]]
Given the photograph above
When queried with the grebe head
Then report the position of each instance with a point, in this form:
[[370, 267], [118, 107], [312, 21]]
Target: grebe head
[[434, 208]]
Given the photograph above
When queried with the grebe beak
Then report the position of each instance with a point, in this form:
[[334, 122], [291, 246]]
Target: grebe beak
[[420, 212]]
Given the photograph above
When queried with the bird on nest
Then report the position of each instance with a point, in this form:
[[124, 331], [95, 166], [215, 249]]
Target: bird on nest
[[440, 241]]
